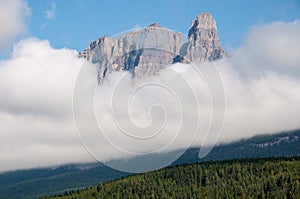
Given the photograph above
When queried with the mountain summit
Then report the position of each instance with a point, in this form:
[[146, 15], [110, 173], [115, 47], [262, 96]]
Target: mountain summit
[[148, 50], [203, 40]]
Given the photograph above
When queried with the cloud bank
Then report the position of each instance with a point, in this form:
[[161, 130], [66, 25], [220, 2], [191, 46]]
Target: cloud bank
[[261, 81], [36, 106]]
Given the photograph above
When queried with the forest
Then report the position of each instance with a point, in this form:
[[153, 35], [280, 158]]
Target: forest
[[240, 178]]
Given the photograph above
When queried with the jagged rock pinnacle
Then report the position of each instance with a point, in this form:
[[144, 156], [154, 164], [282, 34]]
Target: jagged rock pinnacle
[[203, 40], [205, 21]]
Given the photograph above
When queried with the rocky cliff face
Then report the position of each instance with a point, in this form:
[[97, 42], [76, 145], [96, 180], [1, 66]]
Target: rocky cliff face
[[203, 40], [148, 50]]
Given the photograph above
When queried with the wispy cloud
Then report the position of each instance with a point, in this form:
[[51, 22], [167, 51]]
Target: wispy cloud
[[50, 14]]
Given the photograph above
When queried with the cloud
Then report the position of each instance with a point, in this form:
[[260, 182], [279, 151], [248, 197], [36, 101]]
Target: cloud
[[13, 15], [50, 14], [261, 81], [271, 47], [37, 128]]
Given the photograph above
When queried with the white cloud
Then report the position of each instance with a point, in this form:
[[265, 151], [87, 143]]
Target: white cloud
[[261, 80], [271, 47], [13, 14], [37, 128], [50, 14]]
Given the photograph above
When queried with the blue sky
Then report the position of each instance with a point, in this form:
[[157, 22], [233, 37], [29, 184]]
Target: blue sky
[[75, 23]]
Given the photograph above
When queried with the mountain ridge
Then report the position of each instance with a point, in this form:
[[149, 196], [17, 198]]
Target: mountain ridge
[[148, 50]]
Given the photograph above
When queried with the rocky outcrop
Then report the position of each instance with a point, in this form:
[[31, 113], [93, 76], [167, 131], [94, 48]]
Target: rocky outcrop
[[203, 40], [148, 50]]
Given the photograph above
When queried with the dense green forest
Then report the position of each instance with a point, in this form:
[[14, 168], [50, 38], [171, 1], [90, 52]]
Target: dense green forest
[[250, 178]]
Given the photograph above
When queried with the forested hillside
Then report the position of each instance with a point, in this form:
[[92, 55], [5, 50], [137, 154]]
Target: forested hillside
[[251, 178], [46, 181]]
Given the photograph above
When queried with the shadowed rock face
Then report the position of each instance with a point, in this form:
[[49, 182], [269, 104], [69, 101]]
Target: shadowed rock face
[[148, 50]]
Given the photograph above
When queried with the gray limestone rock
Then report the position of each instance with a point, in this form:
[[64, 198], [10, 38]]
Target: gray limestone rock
[[146, 51], [203, 40]]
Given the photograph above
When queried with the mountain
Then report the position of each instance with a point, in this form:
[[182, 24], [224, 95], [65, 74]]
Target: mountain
[[48, 181], [33, 183], [146, 51], [284, 144], [251, 178]]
